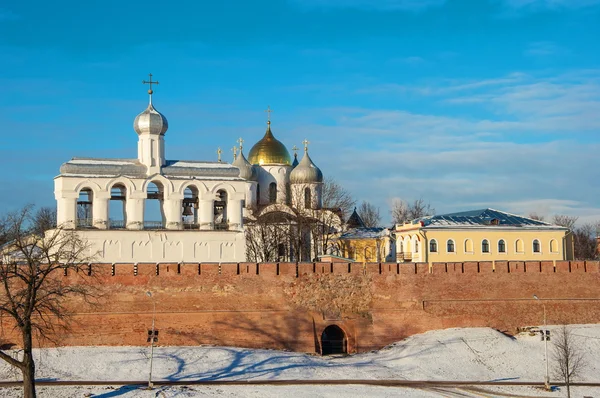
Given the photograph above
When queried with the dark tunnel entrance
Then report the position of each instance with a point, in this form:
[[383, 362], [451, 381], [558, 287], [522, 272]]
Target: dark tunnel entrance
[[333, 341]]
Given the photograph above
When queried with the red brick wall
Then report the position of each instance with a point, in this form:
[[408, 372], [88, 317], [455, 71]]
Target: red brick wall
[[250, 305]]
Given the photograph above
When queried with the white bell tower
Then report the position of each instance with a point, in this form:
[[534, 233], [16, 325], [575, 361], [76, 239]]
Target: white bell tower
[[151, 126]]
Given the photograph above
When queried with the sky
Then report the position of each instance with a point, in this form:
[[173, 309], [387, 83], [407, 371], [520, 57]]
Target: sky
[[465, 103]]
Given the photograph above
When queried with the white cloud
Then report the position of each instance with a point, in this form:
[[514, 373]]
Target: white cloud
[[535, 151], [384, 5]]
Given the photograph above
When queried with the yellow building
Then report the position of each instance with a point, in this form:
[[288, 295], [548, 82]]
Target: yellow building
[[481, 235], [363, 244]]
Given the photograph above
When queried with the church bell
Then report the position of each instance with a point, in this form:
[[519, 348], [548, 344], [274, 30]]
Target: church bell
[[187, 211]]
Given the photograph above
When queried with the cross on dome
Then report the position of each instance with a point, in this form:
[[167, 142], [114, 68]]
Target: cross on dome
[[295, 149], [234, 150], [219, 152], [305, 143], [150, 82], [241, 142], [268, 110]]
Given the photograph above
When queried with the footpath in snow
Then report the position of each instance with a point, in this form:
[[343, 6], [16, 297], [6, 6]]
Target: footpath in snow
[[474, 354]]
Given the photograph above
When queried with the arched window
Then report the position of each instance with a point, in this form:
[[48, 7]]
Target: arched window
[[485, 246], [553, 246], [536, 246], [272, 192], [220, 211], [307, 198], [416, 246], [433, 246], [154, 214], [519, 246], [501, 246], [258, 194], [117, 207], [189, 213], [469, 246], [450, 246], [401, 247], [85, 212]]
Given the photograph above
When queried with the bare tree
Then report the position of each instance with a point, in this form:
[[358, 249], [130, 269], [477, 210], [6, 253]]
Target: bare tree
[[535, 216], [33, 291], [43, 220], [369, 214], [403, 211], [568, 356], [584, 241], [295, 232], [337, 199], [564, 221]]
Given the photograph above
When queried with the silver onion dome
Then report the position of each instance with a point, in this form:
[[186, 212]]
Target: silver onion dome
[[150, 121], [247, 171], [306, 172]]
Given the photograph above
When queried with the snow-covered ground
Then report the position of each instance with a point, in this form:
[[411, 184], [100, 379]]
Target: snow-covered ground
[[480, 354]]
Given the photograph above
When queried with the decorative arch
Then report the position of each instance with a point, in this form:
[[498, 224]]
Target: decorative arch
[[200, 186], [469, 248], [165, 182], [553, 246], [91, 185], [230, 189], [519, 246], [128, 183]]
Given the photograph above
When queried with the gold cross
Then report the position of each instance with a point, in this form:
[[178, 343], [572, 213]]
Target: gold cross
[[150, 83], [219, 152], [241, 142], [305, 142], [269, 114], [295, 149], [234, 150]]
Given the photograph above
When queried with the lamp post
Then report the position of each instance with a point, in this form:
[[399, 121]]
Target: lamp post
[[547, 381], [151, 338]]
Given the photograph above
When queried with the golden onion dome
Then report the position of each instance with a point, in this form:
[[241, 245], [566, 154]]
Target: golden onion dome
[[269, 150]]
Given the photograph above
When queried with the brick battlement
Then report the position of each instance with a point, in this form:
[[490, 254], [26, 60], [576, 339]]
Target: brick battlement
[[288, 305], [123, 271]]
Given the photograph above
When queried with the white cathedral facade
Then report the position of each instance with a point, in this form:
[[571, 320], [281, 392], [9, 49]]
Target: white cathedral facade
[[202, 204]]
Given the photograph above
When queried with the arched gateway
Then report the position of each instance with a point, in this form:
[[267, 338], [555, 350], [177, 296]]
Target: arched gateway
[[333, 341]]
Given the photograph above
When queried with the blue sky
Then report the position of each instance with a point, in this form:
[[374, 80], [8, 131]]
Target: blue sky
[[467, 104]]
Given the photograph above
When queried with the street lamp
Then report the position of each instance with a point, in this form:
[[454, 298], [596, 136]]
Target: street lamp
[[547, 381], [151, 337]]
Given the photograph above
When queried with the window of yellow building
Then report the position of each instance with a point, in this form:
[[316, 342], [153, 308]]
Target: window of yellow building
[[433, 246], [501, 246], [485, 246], [450, 246]]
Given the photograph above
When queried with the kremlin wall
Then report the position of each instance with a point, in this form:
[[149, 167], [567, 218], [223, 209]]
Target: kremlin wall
[[288, 305]]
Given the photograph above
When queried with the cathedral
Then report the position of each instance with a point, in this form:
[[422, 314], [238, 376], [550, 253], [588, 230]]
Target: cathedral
[[207, 210]]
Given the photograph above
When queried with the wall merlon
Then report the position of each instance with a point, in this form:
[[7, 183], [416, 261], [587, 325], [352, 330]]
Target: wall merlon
[[533, 266], [471, 267], [592, 267], [516, 267], [486, 267], [501, 267]]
